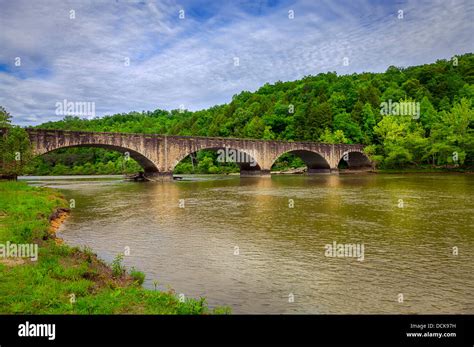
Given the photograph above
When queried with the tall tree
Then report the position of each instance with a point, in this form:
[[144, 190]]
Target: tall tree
[[16, 152], [5, 118]]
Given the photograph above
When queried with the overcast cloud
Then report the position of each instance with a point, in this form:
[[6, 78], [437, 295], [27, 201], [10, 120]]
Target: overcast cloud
[[190, 61]]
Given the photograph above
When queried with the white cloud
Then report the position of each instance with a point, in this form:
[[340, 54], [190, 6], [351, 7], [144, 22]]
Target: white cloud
[[190, 61]]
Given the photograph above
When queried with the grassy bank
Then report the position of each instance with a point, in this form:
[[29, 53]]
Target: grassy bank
[[64, 279]]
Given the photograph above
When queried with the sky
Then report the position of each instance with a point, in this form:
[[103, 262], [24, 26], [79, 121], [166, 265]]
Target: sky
[[124, 56]]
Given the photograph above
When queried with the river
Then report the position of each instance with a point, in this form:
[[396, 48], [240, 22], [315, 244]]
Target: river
[[260, 245]]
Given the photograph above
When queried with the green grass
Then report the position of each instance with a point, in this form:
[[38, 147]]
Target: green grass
[[69, 280]]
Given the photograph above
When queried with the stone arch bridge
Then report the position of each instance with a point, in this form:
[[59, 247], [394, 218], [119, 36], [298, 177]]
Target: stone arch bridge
[[159, 154]]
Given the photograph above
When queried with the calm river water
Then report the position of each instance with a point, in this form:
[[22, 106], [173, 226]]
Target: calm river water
[[238, 242]]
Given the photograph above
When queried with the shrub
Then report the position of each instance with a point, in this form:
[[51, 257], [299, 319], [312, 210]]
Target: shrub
[[117, 268], [138, 276]]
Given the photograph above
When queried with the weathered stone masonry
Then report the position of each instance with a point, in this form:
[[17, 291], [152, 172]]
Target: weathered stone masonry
[[159, 154]]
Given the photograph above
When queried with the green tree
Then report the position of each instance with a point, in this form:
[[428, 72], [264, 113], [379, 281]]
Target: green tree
[[268, 134], [428, 114], [368, 123], [393, 93], [318, 117], [333, 137], [413, 89], [452, 138], [205, 164], [255, 128], [16, 151], [5, 118], [343, 121]]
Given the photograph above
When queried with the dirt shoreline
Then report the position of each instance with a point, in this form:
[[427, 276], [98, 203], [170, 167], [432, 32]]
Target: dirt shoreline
[[56, 219], [103, 271]]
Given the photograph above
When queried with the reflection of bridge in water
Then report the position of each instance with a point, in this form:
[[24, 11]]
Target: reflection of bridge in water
[[159, 154]]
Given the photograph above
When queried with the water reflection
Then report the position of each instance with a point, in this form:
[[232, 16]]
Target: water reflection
[[281, 249]]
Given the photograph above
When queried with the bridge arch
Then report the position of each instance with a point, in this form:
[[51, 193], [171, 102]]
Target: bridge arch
[[159, 154], [315, 162], [227, 154], [148, 166], [355, 160]]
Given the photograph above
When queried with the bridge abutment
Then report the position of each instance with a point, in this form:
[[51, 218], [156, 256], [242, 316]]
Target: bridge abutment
[[255, 173], [159, 176], [333, 171], [318, 171]]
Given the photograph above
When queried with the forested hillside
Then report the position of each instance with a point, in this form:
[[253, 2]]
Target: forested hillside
[[326, 107]]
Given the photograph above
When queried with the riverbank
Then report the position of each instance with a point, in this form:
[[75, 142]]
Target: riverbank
[[428, 170], [59, 279]]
